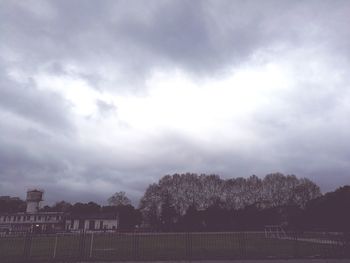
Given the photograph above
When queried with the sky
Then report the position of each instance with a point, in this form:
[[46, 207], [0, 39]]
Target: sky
[[98, 97]]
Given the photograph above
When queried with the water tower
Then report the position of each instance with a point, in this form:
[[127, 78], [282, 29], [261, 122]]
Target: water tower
[[34, 197]]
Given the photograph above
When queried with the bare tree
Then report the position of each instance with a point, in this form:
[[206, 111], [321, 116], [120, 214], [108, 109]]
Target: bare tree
[[119, 199], [305, 191], [178, 192]]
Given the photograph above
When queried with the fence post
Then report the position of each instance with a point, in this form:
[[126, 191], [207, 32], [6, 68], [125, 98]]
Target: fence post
[[346, 244], [55, 247], [296, 245], [82, 245], [331, 250], [91, 244], [27, 245], [242, 244], [135, 245], [188, 243]]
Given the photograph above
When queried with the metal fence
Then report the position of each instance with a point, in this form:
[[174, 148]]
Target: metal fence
[[95, 246]]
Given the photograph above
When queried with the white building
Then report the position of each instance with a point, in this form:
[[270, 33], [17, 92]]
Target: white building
[[92, 222], [32, 220], [45, 222], [36, 222]]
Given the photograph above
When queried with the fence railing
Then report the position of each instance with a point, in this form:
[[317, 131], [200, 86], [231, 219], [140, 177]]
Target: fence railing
[[97, 246]]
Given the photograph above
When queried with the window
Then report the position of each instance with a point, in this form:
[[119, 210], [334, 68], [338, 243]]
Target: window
[[81, 223], [28, 218], [91, 225], [39, 218]]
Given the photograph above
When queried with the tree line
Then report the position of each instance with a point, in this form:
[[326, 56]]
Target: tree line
[[207, 202], [200, 202]]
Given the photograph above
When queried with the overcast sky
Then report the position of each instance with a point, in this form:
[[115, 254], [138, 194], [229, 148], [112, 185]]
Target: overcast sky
[[104, 96]]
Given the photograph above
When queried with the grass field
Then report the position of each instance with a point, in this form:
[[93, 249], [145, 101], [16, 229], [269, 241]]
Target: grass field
[[164, 246]]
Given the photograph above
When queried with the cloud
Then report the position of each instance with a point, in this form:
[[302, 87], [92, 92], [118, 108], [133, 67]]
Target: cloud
[[44, 108], [105, 107], [99, 97], [133, 39]]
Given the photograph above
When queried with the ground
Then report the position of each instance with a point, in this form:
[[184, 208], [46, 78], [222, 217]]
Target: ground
[[166, 246]]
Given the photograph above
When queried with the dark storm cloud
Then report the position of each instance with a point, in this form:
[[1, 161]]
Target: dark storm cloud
[[200, 36], [116, 45], [25, 100]]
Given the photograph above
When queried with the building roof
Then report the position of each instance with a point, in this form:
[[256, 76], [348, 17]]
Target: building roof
[[28, 214], [9, 198]]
